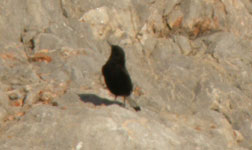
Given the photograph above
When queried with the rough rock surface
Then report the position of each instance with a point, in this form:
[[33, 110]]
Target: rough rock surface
[[190, 61]]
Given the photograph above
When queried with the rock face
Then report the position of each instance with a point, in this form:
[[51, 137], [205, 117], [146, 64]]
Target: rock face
[[190, 62]]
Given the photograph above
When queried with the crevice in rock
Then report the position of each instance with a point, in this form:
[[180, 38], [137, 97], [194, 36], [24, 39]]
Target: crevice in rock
[[227, 118], [31, 44], [28, 40], [64, 12], [224, 115]]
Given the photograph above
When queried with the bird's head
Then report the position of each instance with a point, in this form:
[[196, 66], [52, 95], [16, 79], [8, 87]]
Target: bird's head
[[117, 54]]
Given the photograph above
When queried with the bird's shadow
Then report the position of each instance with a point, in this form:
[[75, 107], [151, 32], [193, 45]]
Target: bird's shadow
[[97, 101]]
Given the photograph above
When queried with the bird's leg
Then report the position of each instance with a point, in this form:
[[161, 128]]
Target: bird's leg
[[124, 98], [115, 97]]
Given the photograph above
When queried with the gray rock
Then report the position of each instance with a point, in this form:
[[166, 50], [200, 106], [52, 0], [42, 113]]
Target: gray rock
[[48, 41], [184, 45], [3, 114], [4, 101], [190, 62], [80, 126], [248, 5]]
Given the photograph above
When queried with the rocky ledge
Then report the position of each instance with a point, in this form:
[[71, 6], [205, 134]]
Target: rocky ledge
[[190, 62]]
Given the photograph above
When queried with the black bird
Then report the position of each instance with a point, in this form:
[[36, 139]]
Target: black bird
[[116, 75]]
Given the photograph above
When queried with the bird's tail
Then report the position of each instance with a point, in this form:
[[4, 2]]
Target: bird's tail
[[133, 104]]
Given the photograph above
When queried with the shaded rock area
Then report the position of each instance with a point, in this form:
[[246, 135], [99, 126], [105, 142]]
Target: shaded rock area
[[190, 62]]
